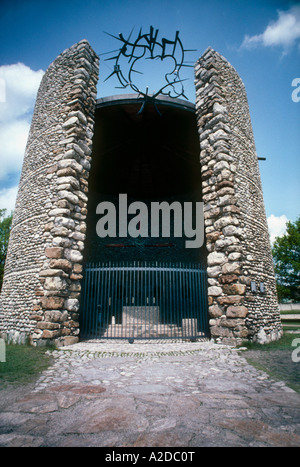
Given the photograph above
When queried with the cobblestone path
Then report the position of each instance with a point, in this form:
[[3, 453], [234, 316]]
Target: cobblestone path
[[188, 394]]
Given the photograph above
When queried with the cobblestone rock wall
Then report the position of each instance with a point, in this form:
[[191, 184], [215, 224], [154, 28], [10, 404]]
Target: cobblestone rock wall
[[40, 293], [237, 237]]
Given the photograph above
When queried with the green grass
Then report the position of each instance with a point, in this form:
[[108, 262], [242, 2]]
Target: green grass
[[290, 312], [275, 359], [285, 343], [294, 327], [23, 364], [290, 325]]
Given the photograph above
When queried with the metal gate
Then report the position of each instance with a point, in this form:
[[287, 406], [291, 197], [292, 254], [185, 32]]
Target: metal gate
[[142, 300]]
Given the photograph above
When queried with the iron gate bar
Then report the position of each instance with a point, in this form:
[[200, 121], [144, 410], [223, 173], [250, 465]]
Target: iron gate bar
[[142, 300]]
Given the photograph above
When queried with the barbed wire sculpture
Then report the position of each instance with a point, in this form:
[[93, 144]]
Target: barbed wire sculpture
[[147, 46]]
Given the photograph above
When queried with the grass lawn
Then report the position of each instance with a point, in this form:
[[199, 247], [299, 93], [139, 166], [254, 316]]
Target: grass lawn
[[293, 323], [275, 358], [290, 312], [23, 364]]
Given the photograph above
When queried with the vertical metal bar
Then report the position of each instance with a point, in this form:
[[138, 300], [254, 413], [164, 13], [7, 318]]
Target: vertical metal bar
[[156, 294], [175, 295], [181, 296], [94, 274], [135, 278], [129, 295], [93, 296], [83, 311], [112, 294], [185, 304], [197, 301], [106, 298], [205, 311], [144, 327], [172, 299], [92, 316], [187, 294], [194, 272], [177, 302], [116, 294], [150, 312], [153, 287], [99, 300], [177, 298], [107, 293], [180, 292], [122, 303], [160, 300], [102, 300], [117, 288], [92, 281], [125, 301], [150, 300], [191, 299], [202, 289], [169, 301], [164, 295], [88, 300], [149, 309], [167, 296], [201, 301], [95, 307], [192, 275], [203, 295]]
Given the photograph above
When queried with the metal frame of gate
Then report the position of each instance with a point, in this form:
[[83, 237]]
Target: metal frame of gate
[[144, 300]]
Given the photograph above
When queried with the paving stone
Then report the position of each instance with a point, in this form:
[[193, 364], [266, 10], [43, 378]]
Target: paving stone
[[150, 394]]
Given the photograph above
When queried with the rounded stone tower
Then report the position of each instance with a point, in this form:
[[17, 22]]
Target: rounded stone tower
[[241, 282], [41, 288]]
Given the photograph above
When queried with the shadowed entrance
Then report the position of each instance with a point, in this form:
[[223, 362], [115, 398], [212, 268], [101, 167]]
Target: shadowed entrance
[[143, 287]]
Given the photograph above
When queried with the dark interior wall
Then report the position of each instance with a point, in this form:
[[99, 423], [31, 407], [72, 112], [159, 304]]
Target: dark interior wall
[[151, 155]]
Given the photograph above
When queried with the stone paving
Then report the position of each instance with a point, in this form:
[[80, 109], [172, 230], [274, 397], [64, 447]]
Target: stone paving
[[156, 394]]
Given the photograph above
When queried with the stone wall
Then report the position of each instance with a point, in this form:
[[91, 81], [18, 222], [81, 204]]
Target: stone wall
[[40, 293], [237, 237]]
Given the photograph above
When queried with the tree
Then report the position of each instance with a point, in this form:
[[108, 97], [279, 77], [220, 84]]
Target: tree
[[5, 226], [286, 255]]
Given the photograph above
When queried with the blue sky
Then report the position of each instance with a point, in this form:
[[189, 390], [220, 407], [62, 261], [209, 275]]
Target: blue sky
[[260, 39]]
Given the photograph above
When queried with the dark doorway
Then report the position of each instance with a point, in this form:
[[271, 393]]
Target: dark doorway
[[151, 154]]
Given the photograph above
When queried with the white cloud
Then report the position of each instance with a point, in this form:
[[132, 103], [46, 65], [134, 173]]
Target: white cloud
[[277, 226], [13, 137], [284, 32], [19, 86], [8, 198]]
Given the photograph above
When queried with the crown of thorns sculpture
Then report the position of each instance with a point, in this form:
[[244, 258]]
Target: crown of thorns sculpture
[[147, 46]]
